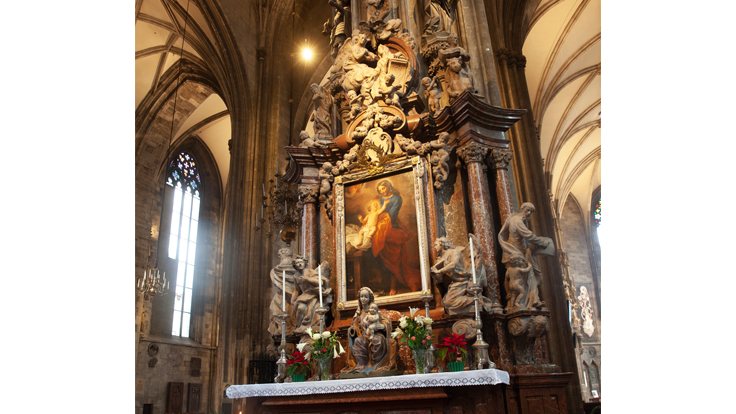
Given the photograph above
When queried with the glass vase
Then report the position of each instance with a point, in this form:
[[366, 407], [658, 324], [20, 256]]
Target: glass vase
[[418, 360], [324, 368]]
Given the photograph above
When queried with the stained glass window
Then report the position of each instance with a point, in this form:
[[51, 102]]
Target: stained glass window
[[597, 214], [184, 178]]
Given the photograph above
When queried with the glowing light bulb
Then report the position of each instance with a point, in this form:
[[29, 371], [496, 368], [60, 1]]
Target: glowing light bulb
[[307, 53]]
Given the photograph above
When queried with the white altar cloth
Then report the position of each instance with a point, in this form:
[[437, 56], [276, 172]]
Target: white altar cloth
[[440, 379]]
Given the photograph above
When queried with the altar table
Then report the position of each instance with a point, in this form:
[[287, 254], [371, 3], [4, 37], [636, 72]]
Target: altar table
[[476, 391]]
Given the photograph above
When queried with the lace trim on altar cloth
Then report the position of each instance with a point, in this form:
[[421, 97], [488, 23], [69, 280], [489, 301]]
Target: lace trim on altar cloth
[[444, 379]]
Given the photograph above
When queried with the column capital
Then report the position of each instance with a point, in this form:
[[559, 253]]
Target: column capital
[[308, 193], [472, 152], [501, 158]]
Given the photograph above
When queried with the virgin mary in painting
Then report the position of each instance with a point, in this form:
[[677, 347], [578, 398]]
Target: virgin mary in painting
[[384, 239]]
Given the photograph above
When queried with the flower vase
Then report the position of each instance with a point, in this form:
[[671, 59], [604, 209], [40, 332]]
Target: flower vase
[[324, 368], [418, 360], [456, 366], [297, 377]]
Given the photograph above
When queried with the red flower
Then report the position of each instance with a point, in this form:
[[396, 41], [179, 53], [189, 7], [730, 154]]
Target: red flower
[[324, 349], [413, 338], [424, 341]]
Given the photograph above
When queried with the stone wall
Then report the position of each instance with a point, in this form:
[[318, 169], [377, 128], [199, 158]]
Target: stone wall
[[173, 364], [575, 240]]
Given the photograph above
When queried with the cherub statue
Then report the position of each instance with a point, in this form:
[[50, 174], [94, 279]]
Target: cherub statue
[[356, 104], [308, 142], [361, 131], [439, 159], [389, 91], [516, 278], [433, 93], [409, 146], [325, 181]]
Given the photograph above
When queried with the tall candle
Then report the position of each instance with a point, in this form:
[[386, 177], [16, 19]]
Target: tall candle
[[283, 289], [472, 260], [319, 269]]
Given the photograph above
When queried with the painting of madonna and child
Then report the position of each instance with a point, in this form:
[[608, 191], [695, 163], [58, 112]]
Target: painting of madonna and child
[[381, 236]]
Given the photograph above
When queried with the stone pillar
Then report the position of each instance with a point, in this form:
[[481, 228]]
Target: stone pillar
[[308, 195], [473, 155], [500, 161]]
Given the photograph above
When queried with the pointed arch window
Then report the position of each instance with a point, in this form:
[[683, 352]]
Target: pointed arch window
[[183, 176]]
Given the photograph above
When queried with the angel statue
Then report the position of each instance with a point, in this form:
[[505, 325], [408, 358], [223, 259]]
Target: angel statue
[[322, 103], [455, 263]]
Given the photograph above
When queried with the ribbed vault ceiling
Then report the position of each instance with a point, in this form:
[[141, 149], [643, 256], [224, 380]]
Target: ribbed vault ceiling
[[563, 51], [159, 29]]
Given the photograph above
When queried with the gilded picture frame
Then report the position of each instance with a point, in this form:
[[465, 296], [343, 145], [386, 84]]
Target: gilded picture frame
[[381, 234]]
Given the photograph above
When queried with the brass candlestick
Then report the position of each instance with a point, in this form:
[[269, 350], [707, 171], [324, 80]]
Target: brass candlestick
[[430, 359], [480, 346]]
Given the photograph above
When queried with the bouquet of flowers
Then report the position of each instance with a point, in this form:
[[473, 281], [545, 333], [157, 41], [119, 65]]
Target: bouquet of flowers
[[414, 332], [298, 363], [324, 345], [452, 348]]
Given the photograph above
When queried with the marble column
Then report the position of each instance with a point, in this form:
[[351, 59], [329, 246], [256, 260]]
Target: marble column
[[309, 196], [473, 155], [500, 160]]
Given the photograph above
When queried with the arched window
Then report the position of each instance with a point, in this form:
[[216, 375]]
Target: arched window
[[597, 218], [183, 176]]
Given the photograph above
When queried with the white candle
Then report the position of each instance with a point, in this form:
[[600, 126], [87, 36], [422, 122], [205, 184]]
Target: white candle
[[319, 269], [283, 290], [472, 261]]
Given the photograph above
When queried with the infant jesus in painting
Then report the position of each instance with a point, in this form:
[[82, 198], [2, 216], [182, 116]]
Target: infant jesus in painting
[[362, 239]]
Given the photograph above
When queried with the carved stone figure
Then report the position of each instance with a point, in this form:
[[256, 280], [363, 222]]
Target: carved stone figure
[[433, 93], [377, 10], [356, 104], [439, 15], [335, 26], [455, 263], [412, 147], [440, 157], [285, 265], [308, 142], [457, 74], [389, 91], [305, 297], [325, 181], [371, 348], [520, 247], [322, 102], [354, 64]]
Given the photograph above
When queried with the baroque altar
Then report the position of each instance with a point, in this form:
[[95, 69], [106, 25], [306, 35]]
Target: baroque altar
[[406, 208]]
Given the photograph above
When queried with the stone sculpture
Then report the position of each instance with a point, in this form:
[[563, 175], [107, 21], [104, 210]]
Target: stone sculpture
[[335, 26], [520, 247], [305, 297], [354, 64], [457, 74], [433, 93], [277, 273], [321, 115], [377, 10], [455, 263], [308, 142], [439, 16], [371, 348], [440, 157]]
